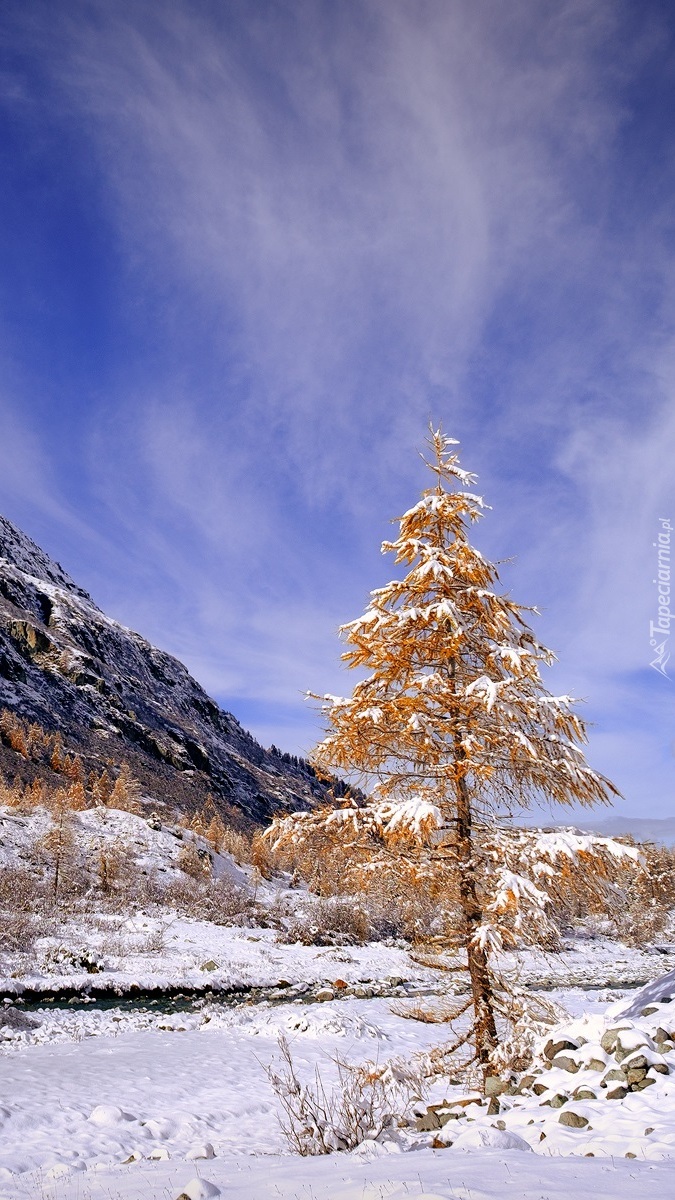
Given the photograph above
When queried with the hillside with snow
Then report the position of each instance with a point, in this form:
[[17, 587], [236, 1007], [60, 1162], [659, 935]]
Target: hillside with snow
[[67, 666]]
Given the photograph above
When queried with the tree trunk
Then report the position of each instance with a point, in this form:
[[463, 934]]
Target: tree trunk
[[481, 983], [485, 1025]]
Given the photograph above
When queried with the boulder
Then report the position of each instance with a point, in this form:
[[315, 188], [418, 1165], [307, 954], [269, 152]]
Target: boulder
[[494, 1086], [573, 1119], [205, 1150], [615, 1075], [610, 1037], [617, 1092], [635, 1062], [565, 1063], [630, 1042], [596, 1064], [199, 1189], [474, 1138], [553, 1048], [428, 1123]]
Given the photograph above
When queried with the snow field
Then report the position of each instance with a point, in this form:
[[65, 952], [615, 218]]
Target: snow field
[[427, 1175], [143, 1112]]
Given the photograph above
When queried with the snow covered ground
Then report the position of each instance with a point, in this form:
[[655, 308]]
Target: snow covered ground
[[122, 1108], [125, 1103], [133, 1098]]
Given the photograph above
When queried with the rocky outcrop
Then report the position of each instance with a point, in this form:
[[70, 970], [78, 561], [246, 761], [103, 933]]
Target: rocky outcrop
[[67, 666]]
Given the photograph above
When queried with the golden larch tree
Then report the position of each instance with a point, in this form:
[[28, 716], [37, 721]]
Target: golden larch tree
[[453, 720]]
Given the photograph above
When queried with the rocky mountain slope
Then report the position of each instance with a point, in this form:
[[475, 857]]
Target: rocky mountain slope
[[67, 666]]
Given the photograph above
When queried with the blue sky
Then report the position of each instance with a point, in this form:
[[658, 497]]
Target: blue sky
[[248, 250]]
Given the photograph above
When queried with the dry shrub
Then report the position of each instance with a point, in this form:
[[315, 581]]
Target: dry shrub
[[329, 922], [650, 900], [17, 742], [365, 1103], [57, 853], [70, 799], [192, 862], [19, 930], [20, 889], [56, 759], [215, 833], [23, 904], [100, 787], [437, 1012], [116, 872], [38, 740], [402, 895], [641, 921], [221, 901], [318, 858], [528, 1017], [11, 794], [635, 913], [73, 768], [37, 794], [224, 838], [33, 742]]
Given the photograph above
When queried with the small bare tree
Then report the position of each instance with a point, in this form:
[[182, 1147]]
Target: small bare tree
[[57, 848]]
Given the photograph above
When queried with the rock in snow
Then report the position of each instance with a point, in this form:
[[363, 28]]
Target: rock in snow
[[205, 1150], [199, 1189], [109, 1114], [495, 1139]]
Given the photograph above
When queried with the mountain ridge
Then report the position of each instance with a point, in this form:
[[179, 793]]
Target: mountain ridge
[[64, 664]]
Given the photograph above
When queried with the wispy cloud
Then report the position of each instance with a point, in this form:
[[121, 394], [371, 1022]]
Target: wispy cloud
[[334, 222]]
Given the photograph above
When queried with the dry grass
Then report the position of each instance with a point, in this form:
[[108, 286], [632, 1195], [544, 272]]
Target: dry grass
[[363, 1104]]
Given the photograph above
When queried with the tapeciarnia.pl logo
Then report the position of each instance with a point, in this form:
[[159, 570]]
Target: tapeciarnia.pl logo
[[659, 630]]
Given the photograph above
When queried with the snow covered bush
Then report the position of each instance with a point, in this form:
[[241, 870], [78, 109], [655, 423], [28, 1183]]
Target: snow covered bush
[[221, 901], [329, 922], [364, 1104], [71, 960]]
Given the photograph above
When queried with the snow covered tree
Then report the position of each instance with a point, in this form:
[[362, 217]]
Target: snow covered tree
[[452, 724]]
